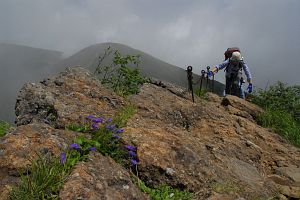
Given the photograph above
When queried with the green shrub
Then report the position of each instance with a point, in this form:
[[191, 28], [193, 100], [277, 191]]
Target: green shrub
[[4, 127], [282, 123], [118, 75], [282, 110], [280, 97]]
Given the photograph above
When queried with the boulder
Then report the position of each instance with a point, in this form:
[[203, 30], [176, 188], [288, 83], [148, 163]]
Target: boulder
[[65, 99], [100, 178]]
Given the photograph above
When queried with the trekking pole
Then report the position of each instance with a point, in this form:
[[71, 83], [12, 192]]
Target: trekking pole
[[190, 80], [207, 79], [202, 76], [213, 83]]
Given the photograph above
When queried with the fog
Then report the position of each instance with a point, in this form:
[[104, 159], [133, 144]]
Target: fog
[[179, 32]]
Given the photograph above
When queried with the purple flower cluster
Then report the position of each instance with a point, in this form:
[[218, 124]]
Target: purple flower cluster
[[110, 127], [95, 121], [75, 146], [132, 151]]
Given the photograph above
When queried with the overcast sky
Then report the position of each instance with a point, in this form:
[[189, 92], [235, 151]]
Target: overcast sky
[[180, 32]]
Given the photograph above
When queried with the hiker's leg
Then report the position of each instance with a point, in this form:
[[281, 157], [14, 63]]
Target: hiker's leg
[[236, 89], [228, 85], [242, 93]]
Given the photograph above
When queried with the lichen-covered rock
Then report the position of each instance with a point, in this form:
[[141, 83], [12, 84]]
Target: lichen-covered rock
[[100, 178], [65, 99], [242, 105], [205, 143]]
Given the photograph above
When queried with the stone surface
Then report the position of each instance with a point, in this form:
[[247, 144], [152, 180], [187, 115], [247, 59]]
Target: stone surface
[[242, 105], [100, 178], [205, 142], [65, 99]]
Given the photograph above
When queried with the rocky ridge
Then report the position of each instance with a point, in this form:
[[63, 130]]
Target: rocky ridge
[[204, 146]]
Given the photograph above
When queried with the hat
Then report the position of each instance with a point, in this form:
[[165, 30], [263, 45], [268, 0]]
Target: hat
[[236, 56]]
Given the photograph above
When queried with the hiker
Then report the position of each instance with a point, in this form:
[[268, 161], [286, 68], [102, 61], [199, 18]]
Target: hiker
[[234, 65]]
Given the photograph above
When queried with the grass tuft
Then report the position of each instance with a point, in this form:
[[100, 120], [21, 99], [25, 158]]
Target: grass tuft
[[4, 127], [42, 181], [225, 188]]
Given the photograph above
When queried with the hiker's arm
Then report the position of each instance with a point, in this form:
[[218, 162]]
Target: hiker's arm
[[220, 66], [247, 72]]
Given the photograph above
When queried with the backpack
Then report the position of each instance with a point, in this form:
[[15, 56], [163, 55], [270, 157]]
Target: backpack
[[228, 54], [229, 51]]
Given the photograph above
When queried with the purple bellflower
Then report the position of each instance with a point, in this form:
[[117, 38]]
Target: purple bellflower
[[91, 117], [116, 136], [132, 154], [95, 126], [92, 149], [74, 146], [130, 148], [98, 120], [110, 127], [134, 162], [63, 158], [120, 131]]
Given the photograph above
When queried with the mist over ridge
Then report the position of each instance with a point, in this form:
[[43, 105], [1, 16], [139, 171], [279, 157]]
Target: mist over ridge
[[21, 64]]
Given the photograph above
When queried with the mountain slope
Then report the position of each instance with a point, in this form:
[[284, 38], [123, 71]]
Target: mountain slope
[[20, 64], [150, 66]]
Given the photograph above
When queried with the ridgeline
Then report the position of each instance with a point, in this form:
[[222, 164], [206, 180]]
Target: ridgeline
[[210, 149]]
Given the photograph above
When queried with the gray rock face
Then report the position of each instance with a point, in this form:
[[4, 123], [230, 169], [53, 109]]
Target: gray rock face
[[64, 99], [100, 178]]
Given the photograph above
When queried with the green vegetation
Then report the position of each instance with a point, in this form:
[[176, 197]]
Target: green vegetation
[[165, 192], [4, 127], [123, 115], [282, 110], [201, 93], [280, 97], [282, 123], [106, 134], [46, 176], [118, 75]]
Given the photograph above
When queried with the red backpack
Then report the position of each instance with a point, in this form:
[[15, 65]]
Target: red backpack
[[229, 51]]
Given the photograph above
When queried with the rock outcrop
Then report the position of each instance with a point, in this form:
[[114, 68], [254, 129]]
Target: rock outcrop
[[212, 147]]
